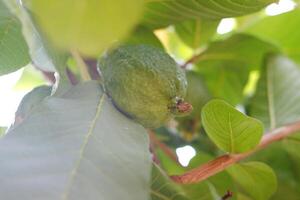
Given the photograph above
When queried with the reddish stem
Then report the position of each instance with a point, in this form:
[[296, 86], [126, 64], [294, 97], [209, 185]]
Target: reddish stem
[[219, 164]]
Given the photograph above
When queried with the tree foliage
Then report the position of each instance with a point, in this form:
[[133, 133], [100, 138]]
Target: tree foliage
[[69, 141]]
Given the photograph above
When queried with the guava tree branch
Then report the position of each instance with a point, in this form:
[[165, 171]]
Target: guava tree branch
[[156, 142], [195, 58], [221, 163]]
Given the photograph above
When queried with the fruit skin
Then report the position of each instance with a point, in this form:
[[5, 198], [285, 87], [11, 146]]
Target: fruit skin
[[145, 83]]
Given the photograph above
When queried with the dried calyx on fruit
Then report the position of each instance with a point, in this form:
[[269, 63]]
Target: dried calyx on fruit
[[145, 83]]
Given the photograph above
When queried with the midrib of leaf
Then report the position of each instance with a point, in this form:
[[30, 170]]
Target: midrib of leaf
[[73, 173], [270, 96], [231, 134]]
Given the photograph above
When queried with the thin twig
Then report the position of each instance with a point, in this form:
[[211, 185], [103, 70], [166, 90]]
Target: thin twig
[[156, 142], [71, 76], [83, 68], [193, 59], [219, 164]]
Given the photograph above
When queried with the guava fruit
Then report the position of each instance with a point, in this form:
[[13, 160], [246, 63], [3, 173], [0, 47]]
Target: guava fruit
[[145, 83], [198, 96]]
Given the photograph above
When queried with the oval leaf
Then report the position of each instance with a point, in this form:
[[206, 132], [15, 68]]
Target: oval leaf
[[75, 146], [256, 179], [229, 129]]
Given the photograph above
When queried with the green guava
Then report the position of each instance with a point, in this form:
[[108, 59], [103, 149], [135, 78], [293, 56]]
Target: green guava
[[198, 96], [145, 83]]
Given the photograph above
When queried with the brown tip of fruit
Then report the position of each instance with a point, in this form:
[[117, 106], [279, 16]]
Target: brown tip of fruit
[[184, 107]]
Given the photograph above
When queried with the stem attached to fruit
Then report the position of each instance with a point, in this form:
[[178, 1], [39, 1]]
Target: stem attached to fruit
[[184, 107]]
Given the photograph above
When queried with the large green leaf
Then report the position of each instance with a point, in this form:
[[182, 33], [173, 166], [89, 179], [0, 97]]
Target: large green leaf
[[165, 12], [13, 48], [37, 50], [255, 178], [196, 32], [87, 26], [287, 37], [229, 129], [277, 97], [75, 145]]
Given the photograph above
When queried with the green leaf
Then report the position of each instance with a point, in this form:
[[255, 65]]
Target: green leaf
[[225, 80], [292, 144], [38, 52], [276, 101], [229, 129], [87, 26], [30, 100], [196, 32], [226, 64], [255, 178], [243, 48], [162, 188], [143, 35], [13, 48], [75, 146], [162, 13], [287, 37]]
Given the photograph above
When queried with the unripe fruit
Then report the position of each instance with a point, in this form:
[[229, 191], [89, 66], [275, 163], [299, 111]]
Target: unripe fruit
[[145, 83]]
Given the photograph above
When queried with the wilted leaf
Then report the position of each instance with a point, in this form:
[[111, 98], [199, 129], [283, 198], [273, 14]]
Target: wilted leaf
[[13, 48], [87, 26], [229, 129], [255, 178], [277, 97], [75, 146]]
